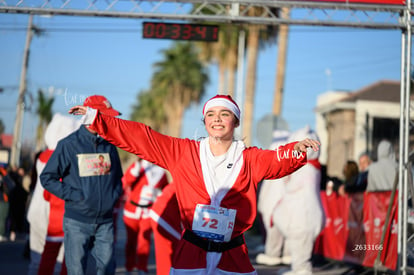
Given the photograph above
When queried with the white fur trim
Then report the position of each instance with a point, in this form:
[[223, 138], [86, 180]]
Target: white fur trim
[[216, 187], [89, 117], [224, 103]]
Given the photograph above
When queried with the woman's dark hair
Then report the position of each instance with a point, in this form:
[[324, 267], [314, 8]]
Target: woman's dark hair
[[350, 170]]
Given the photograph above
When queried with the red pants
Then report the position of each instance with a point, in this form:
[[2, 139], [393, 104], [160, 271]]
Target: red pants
[[49, 256], [137, 248], [164, 244]]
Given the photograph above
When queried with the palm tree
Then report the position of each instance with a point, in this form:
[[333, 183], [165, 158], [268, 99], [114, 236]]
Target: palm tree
[[44, 113], [180, 78], [223, 52], [231, 44], [2, 127], [258, 36], [213, 52], [281, 64], [147, 110]]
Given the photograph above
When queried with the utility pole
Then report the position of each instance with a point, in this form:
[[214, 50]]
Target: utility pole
[[16, 146], [281, 63]]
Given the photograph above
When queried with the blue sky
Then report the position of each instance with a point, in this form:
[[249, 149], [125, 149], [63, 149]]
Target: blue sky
[[108, 56]]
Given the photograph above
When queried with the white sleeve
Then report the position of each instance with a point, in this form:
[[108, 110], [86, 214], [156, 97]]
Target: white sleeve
[[89, 117]]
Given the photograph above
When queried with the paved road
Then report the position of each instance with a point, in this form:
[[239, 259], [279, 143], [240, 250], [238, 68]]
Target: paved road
[[12, 261]]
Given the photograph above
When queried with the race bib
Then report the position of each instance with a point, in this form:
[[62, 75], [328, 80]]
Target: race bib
[[94, 164], [214, 223]]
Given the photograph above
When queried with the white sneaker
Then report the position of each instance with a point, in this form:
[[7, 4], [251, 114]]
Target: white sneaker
[[264, 259], [298, 272]]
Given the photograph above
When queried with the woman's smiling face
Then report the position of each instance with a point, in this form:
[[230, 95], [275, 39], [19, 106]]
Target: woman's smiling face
[[220, 123]]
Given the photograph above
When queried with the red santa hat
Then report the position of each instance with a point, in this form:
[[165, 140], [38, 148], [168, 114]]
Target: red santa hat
[[223, 101]]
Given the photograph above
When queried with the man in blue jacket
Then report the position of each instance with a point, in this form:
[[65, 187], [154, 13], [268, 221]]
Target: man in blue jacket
[[85, 171]]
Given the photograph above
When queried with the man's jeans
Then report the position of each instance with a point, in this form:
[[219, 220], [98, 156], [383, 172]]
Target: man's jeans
[[80, 238]]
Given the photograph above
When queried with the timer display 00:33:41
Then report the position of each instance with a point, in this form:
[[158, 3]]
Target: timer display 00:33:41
[[177, 31]]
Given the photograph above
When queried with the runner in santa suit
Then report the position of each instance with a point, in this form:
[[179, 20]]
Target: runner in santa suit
[[55, 235], [38, 212], [216, 181], [142, 183], [166, 226], [300, 215]]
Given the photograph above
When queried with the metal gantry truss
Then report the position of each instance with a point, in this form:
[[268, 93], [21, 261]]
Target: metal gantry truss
[[316, 13], [309, 13]]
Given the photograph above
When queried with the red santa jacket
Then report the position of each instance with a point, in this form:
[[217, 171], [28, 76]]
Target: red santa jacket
[[142, 184], [166, 213], [57, 210]]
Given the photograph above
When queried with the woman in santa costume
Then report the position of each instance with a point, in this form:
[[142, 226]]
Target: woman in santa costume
[[216, 181], [142, 182]]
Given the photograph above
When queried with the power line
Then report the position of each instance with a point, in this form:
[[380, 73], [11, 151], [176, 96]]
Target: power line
[[324, 29], [73, 30]]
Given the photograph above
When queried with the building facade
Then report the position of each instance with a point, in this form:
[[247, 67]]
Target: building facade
[[350, 123]]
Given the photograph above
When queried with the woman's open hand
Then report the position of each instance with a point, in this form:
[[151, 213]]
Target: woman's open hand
[[78, 110], [302, 146]]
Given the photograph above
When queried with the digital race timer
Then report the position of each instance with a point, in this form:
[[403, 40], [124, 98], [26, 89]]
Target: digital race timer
[[177, 31]]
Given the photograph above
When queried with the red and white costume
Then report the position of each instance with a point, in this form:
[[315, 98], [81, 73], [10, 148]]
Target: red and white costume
[[55, 235], [38, 211], [142, 183], [166, 226], [223, 187]]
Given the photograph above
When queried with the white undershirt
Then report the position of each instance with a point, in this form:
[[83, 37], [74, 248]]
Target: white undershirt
[[218, 167], [220, 172]]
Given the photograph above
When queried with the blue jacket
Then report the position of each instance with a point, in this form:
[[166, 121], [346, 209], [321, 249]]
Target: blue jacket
[[85, 171]]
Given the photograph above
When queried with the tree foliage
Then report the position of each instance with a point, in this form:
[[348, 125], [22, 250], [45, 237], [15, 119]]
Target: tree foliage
[[44, 113], [2, 127], [179, 80], [147, 110]]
